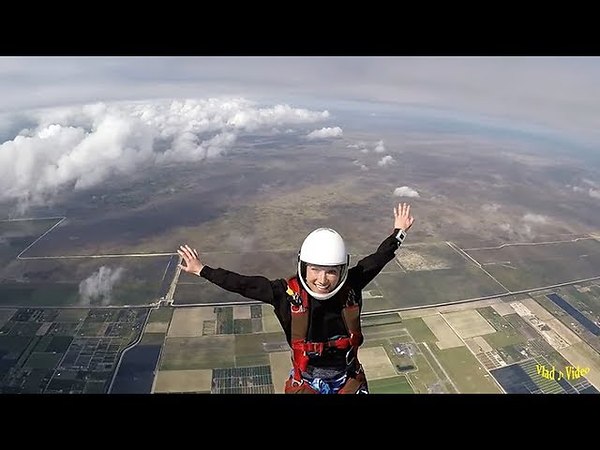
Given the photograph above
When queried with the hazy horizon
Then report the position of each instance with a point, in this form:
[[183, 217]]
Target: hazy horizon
[[73, 122]]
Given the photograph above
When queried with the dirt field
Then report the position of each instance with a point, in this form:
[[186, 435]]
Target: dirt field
[[411, 259], [281, 364], [157, 327], [241, 312], [569, 336], [548, 329], [537, 309], [270, 322], [503, 308], [446, 337], [584, 356], [183, 381], [189, 322], [564, 332], [478, 345], [416, 313], [469, 323], [376, 363]]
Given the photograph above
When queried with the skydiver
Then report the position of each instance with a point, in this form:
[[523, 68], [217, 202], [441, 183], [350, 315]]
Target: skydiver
[[319, 307]]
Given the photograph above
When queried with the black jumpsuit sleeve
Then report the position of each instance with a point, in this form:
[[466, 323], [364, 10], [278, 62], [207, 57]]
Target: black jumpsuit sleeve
[[368, 267], [253, 287]]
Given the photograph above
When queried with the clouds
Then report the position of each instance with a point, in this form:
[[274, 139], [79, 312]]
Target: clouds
[[490, 208], [591, 191], [378, 147], [527, 227], [97, 288], [360, 165], [555, 91], [405, 191], [325, 133], [79, 147], [559, 91], [386, 161], [251, 119], [535, 218]]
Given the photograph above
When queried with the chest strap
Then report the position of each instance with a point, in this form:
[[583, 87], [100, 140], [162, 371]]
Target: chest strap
[[302, 349]]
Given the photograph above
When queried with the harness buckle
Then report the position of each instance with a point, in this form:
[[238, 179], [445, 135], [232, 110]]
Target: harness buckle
[[317, 349], [351, 300], [296, 383], [296, 300], [294, 297]]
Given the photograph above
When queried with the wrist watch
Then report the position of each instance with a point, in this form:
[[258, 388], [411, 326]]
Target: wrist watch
[[401, 235]]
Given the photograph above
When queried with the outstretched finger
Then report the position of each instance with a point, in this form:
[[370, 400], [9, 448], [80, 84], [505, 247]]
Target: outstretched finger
[[192, 251], [185, 252], [183, 256]]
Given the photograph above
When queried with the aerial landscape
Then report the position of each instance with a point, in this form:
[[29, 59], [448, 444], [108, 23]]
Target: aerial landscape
[[496, 289]]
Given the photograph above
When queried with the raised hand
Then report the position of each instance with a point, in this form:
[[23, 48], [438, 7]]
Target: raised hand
[[402, 217], [191, 259]]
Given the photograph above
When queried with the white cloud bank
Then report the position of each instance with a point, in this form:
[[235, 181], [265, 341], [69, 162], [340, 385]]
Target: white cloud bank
[[79, 147], [557, 92]]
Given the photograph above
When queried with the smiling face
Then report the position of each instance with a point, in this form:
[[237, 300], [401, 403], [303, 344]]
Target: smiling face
[[322, 279]]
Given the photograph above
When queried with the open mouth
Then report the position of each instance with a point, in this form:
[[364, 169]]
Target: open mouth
[[323, 289]]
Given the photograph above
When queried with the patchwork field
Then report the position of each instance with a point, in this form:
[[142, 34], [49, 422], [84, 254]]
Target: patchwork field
[[461, 348], [214, 341], [76, 350]]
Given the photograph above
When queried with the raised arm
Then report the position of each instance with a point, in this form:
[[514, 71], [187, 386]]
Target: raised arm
[[368, 268], [253, 287]]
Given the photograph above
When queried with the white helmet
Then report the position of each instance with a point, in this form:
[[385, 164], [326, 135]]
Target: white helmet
[[323, 247]]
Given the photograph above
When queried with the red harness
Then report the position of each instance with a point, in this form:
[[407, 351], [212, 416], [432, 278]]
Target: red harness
[[301, 348]]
